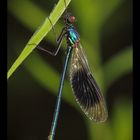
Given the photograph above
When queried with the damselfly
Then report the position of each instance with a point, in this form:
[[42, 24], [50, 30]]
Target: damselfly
[[86, 91]]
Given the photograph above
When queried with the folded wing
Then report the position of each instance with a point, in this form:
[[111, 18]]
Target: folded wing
[[86, 91]]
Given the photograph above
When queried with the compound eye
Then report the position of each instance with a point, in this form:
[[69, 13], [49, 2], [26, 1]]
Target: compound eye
[[71, 19]]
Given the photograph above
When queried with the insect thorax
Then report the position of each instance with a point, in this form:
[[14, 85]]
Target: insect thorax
[[72, 36]]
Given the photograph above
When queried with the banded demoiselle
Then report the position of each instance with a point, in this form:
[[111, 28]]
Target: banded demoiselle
[[85, 88]]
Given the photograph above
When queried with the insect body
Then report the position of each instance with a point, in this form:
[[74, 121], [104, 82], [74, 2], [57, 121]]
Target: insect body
[[86, 91], [73, 37]]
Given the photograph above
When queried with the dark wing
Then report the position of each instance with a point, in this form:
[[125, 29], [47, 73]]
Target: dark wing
[[86, 91]]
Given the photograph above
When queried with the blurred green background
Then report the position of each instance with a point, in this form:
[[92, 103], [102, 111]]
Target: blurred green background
[[105, 28]]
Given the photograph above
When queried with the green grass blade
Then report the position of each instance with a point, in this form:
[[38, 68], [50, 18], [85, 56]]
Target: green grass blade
[[17, 9], [117, 66], [43, 72], [39, 35]]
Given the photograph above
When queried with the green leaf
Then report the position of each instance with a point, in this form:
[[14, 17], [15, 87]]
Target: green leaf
[[43, 72], [122, 120], [117, 66], [39, 34]]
